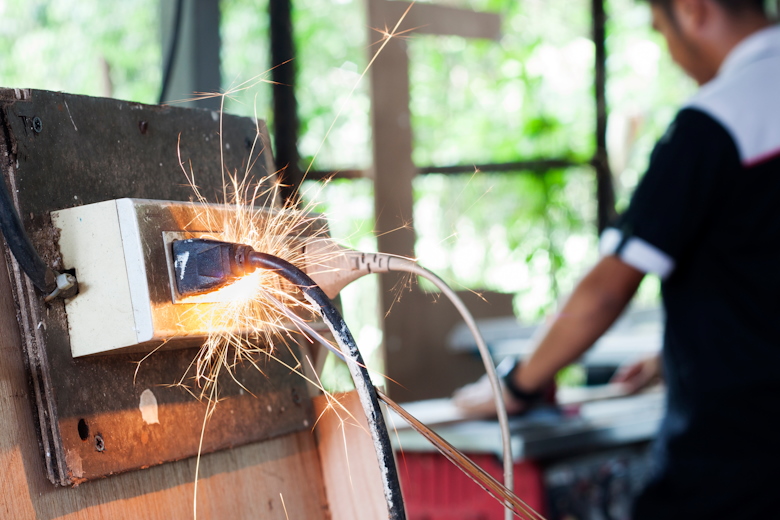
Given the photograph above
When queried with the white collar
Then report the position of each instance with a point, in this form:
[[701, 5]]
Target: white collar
[[758, 45]]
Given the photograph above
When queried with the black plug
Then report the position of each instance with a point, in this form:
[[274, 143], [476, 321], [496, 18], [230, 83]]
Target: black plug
[[203, 265]]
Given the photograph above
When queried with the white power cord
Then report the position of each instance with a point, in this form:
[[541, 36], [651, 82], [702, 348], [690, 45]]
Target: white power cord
[[334, 267]]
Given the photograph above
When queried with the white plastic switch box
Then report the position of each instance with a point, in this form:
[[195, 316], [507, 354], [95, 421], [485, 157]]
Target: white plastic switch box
[[127, 299]]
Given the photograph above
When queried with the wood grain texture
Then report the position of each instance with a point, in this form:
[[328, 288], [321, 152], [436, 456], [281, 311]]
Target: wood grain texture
[[90, 150], [350, 471], [244, 482], [442, 20]]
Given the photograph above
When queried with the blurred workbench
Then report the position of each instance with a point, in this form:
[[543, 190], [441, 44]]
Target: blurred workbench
[[543, 433], [637, 333], [586, 458]]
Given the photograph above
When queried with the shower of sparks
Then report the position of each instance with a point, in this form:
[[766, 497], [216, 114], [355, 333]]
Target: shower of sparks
[[260, 311], [256, 315], [286, 515]]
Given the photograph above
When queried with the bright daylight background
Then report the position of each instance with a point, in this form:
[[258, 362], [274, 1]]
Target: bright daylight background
[[530, 95]]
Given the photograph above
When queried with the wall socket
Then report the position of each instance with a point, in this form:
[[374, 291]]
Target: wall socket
[[121, 252]]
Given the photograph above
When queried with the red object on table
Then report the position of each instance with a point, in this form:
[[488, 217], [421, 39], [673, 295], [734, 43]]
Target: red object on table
[[435, 489]]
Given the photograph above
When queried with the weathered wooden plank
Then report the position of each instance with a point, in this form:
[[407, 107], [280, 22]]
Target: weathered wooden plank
[[86, 150], [64, 150], [440, 20], [241, 483], [353, 483]]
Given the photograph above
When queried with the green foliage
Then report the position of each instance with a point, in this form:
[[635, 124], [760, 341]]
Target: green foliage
[[571, 376], [331, 39], [66, 45], [527, 95], [335, 376], [245, 57], [644, 91], [521, 232]]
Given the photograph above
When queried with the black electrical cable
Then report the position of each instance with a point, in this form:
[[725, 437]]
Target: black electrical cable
[[178, 14], [203, 265], [365, 389], [43, 277]]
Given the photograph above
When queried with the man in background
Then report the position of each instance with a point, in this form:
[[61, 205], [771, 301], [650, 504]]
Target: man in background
[[706, 219]]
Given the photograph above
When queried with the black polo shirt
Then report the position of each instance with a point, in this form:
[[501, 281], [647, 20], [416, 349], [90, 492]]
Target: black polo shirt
[[706, 218]]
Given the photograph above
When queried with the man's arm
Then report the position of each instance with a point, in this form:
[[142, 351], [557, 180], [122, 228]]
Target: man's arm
[[595, 304]]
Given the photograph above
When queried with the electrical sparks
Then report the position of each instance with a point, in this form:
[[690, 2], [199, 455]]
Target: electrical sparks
[[261, 313], [257, 311]]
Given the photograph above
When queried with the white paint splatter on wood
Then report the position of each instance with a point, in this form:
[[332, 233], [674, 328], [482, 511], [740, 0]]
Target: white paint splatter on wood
[[148, 407]]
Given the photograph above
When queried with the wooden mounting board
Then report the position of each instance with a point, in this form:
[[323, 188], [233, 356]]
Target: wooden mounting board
[[353, 483], [60, 150]]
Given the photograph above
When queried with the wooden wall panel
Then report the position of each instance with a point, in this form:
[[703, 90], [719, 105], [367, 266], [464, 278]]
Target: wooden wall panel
[[351, 474], [241, 483]]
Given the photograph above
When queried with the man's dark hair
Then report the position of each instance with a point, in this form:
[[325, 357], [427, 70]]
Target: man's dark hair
[[734, 6]]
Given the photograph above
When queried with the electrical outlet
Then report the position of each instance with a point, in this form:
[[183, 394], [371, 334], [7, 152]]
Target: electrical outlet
[[89, 410], [121, 252]]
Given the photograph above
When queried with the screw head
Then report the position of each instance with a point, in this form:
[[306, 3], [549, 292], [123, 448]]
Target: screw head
[[37, 124], [100, 444]]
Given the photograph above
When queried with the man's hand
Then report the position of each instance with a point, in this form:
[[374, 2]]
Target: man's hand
[[591, 309], [476, 399], [640, 374]]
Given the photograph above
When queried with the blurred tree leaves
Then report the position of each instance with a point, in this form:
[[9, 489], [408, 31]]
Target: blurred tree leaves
[[526, 96], [75, 46], [244, 56], [522, 232]]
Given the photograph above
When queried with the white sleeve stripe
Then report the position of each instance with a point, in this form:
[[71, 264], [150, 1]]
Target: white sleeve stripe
[[646, 257], [610, 240], [637, 253]]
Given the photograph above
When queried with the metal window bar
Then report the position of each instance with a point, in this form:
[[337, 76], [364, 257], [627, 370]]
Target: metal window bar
[[286, 120]]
